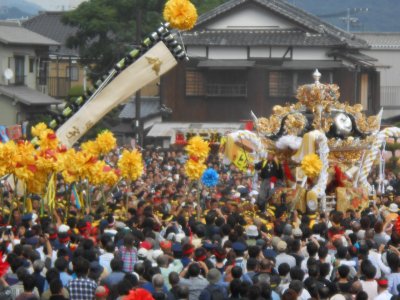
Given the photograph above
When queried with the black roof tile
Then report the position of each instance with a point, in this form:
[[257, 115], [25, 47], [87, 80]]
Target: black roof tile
[[239, 37], [49, 24]]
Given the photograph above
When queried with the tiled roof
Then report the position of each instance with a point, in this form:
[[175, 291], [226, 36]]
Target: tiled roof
[[381, 40], [288, 11], [49, 24], [14, 34], [27, 95], [231, 37], [149, 106]]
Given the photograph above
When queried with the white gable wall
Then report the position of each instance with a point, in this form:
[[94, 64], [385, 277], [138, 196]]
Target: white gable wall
[[250, 17], [215, 52], [227, 53]]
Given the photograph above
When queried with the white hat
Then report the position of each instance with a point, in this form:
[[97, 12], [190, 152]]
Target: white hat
[[393, 208], [63, 228], [142, 253], [156, 254], [179, 237], [252, 231]]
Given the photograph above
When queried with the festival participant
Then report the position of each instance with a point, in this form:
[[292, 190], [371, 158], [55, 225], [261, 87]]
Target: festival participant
[[272, 176]]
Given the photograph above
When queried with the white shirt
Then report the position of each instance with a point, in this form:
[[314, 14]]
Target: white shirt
[[285, 258], [376, 260], [385, 295], [105, 260], [371, 288]]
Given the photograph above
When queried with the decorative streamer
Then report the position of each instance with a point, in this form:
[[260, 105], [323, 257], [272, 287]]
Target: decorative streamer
[[373, 152], [321, 142], [3, 134], [50, 196], [76, 197]]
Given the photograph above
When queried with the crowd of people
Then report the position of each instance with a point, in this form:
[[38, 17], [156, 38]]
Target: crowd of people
[[162, 237]]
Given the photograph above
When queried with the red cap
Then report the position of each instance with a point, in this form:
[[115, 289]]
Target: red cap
[[146, 245], [165, 245], [187, 249], [382, 282]]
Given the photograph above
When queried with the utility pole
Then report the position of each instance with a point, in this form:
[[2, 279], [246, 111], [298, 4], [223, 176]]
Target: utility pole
[[138, 123], [349, 19]]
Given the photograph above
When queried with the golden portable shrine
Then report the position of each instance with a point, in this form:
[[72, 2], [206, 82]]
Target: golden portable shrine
[[325, 148]]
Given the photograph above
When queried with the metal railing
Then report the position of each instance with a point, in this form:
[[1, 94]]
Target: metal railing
[[223, 90], [390, 97], [57, 87]]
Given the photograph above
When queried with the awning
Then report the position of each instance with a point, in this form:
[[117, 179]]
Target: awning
[[169, 130], [355, 57], [27, 95], [226, 63]]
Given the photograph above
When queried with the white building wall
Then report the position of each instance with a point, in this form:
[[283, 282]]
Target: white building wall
[[251, 17], [310, 54], [196, 51], [7, 61], [227, 53], [389, 68]]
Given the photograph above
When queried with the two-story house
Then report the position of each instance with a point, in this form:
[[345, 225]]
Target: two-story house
[[249, 55], [21, 53], [61, 71]]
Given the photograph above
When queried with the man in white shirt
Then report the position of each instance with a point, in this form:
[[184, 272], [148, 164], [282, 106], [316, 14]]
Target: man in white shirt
[[383, 293], [105, 259], [283, 257]]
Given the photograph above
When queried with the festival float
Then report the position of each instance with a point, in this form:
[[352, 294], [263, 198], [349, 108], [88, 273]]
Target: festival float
[[326, 150]]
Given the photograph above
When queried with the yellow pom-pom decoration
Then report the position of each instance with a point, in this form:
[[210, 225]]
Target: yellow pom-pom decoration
[[194, 169], [197, 147], [181, 14], [311, 165], [131, 164], [38, 129], [106, 142]]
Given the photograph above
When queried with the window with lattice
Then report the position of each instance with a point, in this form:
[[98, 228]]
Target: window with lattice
[[280, 84], [195, 83]]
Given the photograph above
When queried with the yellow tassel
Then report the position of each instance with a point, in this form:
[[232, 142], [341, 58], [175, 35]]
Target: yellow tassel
[[28, 205], [50, 197]]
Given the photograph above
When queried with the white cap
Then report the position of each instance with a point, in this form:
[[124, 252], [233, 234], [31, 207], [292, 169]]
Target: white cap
[[63, 228], [156, 254]]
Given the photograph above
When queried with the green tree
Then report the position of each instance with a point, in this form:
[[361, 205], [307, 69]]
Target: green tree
[[106, 30], [206, 5]]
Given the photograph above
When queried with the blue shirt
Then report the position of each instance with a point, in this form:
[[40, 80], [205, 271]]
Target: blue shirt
[[65, 278]]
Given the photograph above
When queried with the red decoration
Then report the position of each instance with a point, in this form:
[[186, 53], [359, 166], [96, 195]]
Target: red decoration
[[397, 224], [339, 176], [3, 266], [194, 158], [286, 170], [180, 139], [138, 294], [249, 125]]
